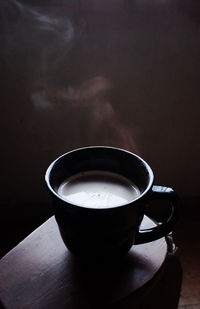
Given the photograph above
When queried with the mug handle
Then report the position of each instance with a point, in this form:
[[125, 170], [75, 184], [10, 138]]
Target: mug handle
[[165, 193]]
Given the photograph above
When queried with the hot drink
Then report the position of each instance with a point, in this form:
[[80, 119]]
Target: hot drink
[[97, 205], [98, 189]]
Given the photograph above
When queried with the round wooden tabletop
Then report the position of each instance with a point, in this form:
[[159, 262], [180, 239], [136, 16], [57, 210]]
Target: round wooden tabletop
[[41, 273]]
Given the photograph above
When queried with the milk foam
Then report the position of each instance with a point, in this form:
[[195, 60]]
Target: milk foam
[[98, 189]]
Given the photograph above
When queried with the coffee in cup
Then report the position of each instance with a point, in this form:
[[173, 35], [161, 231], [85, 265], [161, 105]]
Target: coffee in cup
[[98, 189], [100, 195]]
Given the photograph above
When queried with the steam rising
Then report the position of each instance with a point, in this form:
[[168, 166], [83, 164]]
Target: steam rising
[[36, 43], [46, 38], [40, 101], [91, 89], [102, 114]]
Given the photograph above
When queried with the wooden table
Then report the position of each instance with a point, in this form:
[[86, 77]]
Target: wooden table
[[40, 273]]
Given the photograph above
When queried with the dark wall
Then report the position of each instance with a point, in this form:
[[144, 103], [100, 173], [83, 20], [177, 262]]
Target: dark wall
[[76, 73]]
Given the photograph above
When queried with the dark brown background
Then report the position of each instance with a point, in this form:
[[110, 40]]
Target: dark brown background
[[77, 73]]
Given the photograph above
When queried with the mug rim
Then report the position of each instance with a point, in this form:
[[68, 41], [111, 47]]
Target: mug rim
[[49, 169]]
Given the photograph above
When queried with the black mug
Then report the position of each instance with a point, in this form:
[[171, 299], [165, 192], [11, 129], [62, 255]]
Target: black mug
[[107, 231]]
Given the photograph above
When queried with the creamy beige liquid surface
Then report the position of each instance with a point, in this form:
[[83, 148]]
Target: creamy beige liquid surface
[[98, 189]]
